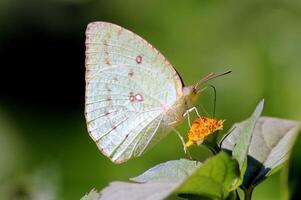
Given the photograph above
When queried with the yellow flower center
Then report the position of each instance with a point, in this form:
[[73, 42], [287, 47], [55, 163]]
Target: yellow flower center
[[201, 128]]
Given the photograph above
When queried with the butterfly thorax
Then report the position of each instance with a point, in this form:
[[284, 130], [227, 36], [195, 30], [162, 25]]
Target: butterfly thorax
[[175, 115]]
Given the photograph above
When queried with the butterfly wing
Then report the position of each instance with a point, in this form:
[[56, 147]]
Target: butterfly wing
[[129, 88]]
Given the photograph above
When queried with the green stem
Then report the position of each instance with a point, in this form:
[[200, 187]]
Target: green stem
[[212, 146], [248, 193], [237, 195]]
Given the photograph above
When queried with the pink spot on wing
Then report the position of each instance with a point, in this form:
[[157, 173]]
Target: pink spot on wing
[[131, 73], [131, 97], [139, 97], [136, 97], [139, 59]]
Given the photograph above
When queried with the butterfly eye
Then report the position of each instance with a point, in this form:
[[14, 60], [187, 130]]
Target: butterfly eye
[[194, 90]]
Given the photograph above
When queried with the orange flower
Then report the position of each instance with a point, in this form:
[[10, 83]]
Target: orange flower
[[201, 128]]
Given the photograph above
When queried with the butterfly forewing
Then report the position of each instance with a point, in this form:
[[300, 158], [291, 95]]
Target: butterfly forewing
[[129, 86]]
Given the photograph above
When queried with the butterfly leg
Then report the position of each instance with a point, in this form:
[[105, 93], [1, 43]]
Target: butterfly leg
[[183, 142], [181, 138], [187, 113], [192, 109], [188, 118]]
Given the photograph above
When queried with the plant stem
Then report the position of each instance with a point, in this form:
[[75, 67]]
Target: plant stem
[[212, 146], [248, 193], [237, 195]]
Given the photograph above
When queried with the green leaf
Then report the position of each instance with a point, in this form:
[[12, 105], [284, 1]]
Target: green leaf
[[269, 148], [233, 195], [158, 182], [292, 172], [174, 169], [93, 195], [215, 178], [155, 190], [244, 132]]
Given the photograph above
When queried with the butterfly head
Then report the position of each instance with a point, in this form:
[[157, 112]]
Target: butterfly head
[[191, 95], [192, 92]]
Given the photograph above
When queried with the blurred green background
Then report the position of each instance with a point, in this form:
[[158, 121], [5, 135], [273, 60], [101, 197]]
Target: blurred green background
[[45, 150]]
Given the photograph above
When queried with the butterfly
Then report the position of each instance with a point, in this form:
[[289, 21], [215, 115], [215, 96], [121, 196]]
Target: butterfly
[[134, 96]]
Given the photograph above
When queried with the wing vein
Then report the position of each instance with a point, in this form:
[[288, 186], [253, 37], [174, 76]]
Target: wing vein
[[123, 86], [138, 133], [153, 134]]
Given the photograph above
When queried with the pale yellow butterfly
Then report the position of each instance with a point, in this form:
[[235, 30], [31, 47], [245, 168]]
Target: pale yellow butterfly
[[134, 97]]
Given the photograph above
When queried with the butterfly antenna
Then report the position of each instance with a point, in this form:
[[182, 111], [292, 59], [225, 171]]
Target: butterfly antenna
[[214, 100], [209, 77]]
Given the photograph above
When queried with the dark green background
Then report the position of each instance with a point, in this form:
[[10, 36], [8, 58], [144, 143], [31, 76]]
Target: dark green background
[[44, 144]]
